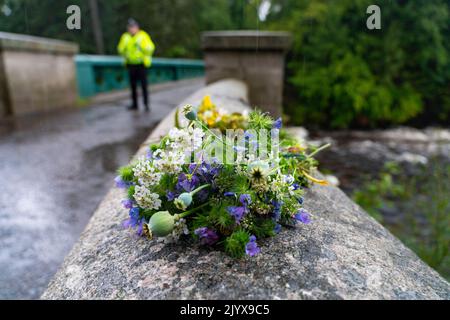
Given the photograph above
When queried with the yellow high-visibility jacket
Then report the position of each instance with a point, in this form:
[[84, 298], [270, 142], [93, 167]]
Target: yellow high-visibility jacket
[[137, 49]]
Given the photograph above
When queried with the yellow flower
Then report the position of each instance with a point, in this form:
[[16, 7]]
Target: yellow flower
[[207, 104], [209, 114]]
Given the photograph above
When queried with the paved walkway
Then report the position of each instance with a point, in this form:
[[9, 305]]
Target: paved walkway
[[54, 171]]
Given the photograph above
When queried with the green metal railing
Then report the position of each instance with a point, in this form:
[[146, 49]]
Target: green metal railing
[[98, 74]]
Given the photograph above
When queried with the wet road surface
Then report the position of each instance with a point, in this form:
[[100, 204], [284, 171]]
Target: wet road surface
[[55, 169]]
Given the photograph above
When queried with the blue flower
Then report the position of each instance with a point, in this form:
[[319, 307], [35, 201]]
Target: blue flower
[[207, 236], [278, 124], [192, 167], [171, 195], [120, 183], [277, 228], [303, 216], [245, 199], [208, 172], [186, 183], [277, 206], [237, 213], [135, 221], [149, 155], [229, 194], [296, 186], [248, 135], [127, 203], [252, 248], [300, 200], [203, 195]]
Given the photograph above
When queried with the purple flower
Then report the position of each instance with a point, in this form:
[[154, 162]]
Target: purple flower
[[192, 167], [278, 124], [248, 135], [303, 216], [296, 186], [237, 213], [149, 154], [135, 221], [186, 183], [120, 183], [277, 228], [207, 236], [277, 205], [229, 194], [127, 203], [205, 171], [252, 248], [170, 195], [245, 199], [202, 195]]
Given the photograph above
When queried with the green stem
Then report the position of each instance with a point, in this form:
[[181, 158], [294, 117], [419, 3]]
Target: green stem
[[319, 149], [199, 189], [211, 132], [187, 213]]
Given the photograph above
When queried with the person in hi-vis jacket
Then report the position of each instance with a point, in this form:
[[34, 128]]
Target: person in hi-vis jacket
[[137, 48]]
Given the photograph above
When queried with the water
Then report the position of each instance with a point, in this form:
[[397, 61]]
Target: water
[[357, 154], [54, 170]]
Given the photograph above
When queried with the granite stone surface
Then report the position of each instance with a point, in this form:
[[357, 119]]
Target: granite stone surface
[[343, 254]]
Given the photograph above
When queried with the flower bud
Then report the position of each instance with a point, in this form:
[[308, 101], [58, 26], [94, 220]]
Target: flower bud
[[161, 224], [183, 201], [191, 115]]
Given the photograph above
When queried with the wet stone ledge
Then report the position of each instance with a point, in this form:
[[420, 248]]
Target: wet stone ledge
[[344, 254]]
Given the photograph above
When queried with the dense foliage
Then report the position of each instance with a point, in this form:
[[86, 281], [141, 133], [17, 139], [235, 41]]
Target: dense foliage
[[174, 25], [344, 74], [422, 204]]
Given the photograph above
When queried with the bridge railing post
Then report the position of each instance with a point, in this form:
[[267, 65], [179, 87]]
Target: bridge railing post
[[256, 57]]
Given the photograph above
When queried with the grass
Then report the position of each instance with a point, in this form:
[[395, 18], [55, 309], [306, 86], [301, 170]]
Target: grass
[[423, 203]]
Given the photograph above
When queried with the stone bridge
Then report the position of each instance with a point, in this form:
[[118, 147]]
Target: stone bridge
[[345, 254]]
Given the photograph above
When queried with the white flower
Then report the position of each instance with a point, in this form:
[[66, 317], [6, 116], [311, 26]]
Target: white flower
[[288, 179], [170, 161], [146, 199], [197, 138], [146, 172]]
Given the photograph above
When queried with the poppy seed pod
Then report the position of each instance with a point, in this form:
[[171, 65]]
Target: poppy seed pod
[[161, 223], [191, 115], [183, 201]]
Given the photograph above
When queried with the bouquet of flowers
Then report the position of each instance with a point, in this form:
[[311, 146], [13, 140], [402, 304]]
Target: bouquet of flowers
[[227, 180]]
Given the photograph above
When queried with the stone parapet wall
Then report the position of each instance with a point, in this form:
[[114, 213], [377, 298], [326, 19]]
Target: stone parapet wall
[[36, 74]]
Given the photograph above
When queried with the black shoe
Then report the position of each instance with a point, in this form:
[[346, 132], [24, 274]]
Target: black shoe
[[132, 108], [147, 107]]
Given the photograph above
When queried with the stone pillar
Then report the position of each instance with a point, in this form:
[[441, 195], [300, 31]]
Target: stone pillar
[[36, 74], [256, 57]]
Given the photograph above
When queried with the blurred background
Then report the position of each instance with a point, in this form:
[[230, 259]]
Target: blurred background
[[381, 97]]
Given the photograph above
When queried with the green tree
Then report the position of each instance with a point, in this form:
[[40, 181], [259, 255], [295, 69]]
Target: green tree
[[344, 74], [175, 25]]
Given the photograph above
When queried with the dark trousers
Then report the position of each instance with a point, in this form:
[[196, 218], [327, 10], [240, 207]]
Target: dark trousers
[[138, 74]]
